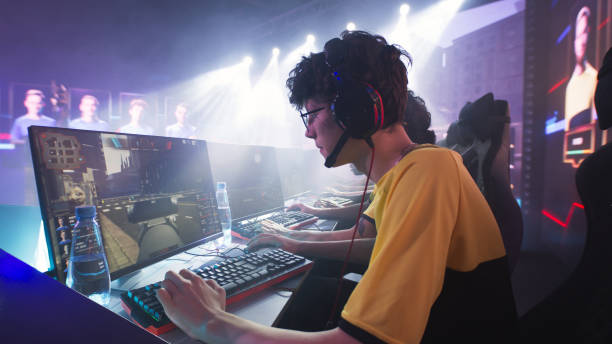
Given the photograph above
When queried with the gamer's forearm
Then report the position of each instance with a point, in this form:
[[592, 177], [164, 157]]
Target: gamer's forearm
[[360, 253], [348, 213], [228, 328], [311, 235]]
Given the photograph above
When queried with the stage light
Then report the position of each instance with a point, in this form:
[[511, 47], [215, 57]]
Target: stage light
[[247, 60], [350, 26], [275, 51], [404, 9], [310, 39]]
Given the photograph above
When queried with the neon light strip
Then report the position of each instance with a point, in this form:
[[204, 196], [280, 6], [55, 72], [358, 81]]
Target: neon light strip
[[567, 219], [563, 34], [578, 151], [7, 146], [603, 23], [5, 136], [555, 86]]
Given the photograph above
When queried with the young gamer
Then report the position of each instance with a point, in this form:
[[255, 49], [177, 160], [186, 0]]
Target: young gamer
[[438, 269], [333, 244]]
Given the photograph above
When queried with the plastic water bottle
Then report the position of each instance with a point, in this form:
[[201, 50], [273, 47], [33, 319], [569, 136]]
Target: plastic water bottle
[[225, 215], [88, 268]]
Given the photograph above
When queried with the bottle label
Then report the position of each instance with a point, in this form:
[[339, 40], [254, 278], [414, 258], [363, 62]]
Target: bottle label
[[85, 241]]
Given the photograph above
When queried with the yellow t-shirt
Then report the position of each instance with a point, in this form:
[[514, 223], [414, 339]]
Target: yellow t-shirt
[[579, 93], [430, 217]]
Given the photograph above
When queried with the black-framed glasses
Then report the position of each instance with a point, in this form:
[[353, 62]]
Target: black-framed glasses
[[309, 116]]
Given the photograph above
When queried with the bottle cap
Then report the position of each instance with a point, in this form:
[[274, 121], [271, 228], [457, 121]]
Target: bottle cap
[[221, 185], [86, 211]]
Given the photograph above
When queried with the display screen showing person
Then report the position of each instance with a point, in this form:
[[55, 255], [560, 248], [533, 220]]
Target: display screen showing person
[[34, 103], [89, 117], [138, 114], [579, 106], [181, 128]]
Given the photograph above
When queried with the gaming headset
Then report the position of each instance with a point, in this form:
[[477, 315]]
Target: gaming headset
[[357, 107]]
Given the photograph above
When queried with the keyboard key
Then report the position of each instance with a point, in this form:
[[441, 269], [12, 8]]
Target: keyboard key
[[229, 287]]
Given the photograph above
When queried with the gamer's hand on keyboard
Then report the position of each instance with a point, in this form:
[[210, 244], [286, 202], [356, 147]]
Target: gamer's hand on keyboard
[[273, 227], [190, 301], [273, 240], [303, 208]]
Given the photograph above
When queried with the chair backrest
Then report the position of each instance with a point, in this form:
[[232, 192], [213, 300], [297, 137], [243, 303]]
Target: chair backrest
[[481, 136], [497, 191]]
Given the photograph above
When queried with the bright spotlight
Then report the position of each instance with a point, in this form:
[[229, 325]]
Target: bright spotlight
[[275, 51], [350, 26], [310, 39], [404, 9], [247, 60]]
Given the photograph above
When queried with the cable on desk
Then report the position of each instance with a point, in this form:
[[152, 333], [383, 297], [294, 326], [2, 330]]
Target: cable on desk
[[205, 255], [217, 253], [235, 248]]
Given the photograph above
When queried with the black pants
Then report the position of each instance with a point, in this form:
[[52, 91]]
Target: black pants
[[309, 307]]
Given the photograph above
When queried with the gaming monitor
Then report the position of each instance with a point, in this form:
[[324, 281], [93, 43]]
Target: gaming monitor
[[154, 195], [251, 174]]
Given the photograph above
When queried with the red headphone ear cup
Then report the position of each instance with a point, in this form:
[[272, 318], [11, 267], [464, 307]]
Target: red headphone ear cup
[[358, 109], [379, 112]]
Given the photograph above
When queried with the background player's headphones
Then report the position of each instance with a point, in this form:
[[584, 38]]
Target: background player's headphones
[[357, 107]]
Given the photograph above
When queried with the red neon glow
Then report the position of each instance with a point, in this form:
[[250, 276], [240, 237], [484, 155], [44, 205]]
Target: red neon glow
[[603, 23], [567, 219], [5, 136], [558, 84]]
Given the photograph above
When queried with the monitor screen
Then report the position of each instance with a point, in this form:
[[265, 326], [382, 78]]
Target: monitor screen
[[572, 54], [251, 174], [154, 196]]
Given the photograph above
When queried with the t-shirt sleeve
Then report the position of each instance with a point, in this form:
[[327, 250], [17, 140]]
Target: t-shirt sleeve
[[415, 214], [368, 214]]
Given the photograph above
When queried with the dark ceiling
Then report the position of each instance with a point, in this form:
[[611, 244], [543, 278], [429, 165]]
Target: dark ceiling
[[164, 41]]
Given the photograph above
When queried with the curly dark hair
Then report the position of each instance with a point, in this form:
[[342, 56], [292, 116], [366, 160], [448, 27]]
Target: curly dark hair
[[417, 120], [370, 59]]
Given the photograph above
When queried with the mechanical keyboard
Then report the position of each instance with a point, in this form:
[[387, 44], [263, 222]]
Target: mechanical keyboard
[[246, 229], [333, 202], [240, 276]]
